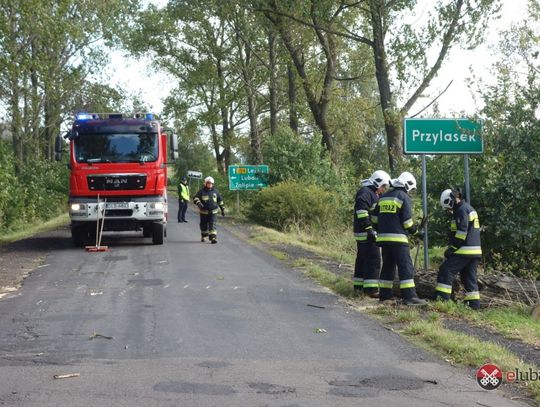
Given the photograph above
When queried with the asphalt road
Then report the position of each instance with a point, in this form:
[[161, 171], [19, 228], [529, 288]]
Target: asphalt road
[[196, 324]]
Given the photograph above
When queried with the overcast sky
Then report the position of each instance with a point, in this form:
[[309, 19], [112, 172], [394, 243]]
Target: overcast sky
[[137, 77]]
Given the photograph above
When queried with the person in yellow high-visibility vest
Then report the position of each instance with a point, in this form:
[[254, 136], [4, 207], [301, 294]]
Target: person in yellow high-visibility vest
[[183, 199]]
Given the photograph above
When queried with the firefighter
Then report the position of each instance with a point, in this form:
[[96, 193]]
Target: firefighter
[[183, 200], [464, 251], [393, 217], [368, 258], [209, 202]]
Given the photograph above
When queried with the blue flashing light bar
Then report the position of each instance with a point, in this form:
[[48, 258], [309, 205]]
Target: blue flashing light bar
[[83, 116], [148, 116]]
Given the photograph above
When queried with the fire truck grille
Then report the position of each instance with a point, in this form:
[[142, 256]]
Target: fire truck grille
[[118, 212], [116, 182]]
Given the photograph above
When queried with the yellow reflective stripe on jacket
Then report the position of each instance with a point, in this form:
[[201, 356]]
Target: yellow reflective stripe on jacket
[[392, 237], [360, 236], [444, 288], [374, 219], [472, 216], [453, 226], [362, 213], [460, 234], [469, 250], [408, 223], [406, 283]]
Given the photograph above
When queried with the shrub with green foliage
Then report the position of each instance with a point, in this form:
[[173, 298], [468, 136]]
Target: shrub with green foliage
[[39, 192], [294, 204]]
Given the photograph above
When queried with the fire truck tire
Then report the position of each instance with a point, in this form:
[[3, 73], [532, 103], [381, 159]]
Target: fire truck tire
[[78, 235], [147, 231], [157, 233]]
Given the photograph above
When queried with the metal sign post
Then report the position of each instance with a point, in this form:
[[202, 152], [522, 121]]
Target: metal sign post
[[467, 181], [425, 210]]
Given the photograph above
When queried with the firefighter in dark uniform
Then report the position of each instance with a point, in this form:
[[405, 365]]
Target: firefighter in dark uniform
[[368, 258], [183, 199], [464, 251], [210, 203], [393, 216]]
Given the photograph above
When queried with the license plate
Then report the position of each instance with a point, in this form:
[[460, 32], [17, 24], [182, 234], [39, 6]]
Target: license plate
[[117, 205]]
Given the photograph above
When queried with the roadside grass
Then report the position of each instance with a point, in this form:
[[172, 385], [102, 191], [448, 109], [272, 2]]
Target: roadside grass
[[457, 347], [338, 284], [513, 322], [279, 254], [330, 245], [32, 229]]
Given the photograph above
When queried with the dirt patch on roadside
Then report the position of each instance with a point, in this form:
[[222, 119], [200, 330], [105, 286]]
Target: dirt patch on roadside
[[20, 258]]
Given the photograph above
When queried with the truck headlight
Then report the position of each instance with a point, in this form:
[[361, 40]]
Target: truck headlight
[[158, 205], [78, 207]]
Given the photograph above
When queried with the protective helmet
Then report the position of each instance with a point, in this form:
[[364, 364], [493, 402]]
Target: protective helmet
[[209, 179], [447, 199], [379, 178], [405, 180]]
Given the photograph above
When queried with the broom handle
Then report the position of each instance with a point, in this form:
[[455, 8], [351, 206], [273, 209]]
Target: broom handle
[[102, 222], [97, 221]]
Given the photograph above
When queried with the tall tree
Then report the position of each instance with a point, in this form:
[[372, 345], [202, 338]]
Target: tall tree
[[399, 48]]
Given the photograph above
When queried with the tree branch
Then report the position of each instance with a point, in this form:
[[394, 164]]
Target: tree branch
[[351, 36], [447, 40], [434, 100]]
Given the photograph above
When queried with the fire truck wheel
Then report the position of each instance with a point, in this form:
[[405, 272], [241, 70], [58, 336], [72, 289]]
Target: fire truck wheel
[[147, 231], [157, 233], [78, 234]]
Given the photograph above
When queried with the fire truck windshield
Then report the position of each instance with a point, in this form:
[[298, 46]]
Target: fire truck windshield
[[116, 148]]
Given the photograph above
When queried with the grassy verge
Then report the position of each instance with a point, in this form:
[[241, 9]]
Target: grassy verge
[[32, 229], [338, 284], [513, 322], [423, 327]]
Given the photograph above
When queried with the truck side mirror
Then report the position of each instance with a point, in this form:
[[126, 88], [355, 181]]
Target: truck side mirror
[[58, 144], [174, 146]]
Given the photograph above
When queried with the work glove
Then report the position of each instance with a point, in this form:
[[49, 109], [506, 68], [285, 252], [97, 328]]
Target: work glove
[[420, 234], [371, 235], [223, 212], [448, 252], [200, 205]]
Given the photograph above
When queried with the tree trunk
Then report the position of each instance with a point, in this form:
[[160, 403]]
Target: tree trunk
[[392, 117], [272, 86], [319, 106], [218, 154], [293, 112]]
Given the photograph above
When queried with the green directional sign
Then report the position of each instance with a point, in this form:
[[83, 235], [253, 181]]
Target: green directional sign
[[248, 177], [442, 136]]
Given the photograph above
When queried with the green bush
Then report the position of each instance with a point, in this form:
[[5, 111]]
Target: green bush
[[294, 204], [38, 192]]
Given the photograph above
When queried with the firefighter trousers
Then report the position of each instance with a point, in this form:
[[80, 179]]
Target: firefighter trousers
[[208, 225], [367, 267], [466, 267], [396, 256]]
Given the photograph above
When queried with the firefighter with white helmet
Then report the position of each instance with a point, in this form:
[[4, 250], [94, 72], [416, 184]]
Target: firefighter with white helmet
[[368, 258], [464, 251], [393, 217], [210, 203]]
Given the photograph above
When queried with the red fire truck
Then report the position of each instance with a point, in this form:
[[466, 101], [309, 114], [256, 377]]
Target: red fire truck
[[118, 166]]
